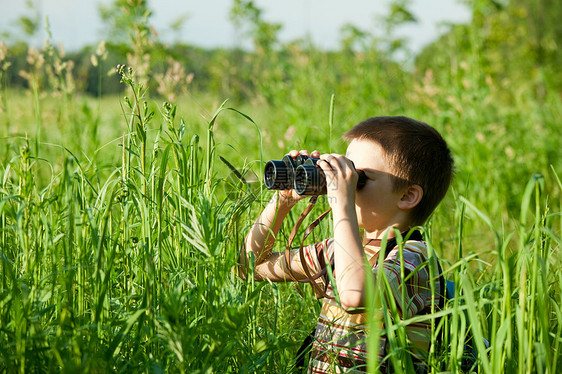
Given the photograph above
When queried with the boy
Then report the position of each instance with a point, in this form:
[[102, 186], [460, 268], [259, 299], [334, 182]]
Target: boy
[[409, 169]]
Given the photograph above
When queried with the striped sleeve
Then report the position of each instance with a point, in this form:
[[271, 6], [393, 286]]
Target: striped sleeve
[[296, 265]]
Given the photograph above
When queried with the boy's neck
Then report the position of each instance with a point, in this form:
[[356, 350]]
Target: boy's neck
[[389, 232], [415, 235]]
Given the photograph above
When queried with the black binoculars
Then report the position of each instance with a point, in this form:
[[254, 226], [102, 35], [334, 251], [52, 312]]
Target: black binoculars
[[300, 174]]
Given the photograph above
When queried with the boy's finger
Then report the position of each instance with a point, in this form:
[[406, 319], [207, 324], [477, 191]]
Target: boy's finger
[[294, 153], [331, 157]]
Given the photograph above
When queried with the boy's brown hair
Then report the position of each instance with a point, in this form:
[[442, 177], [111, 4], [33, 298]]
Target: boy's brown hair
[[416, 152]]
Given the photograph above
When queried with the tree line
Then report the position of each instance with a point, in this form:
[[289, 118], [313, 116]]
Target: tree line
[[511, 42]]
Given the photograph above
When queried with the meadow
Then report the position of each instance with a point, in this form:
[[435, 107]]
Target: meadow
[[122, 216]]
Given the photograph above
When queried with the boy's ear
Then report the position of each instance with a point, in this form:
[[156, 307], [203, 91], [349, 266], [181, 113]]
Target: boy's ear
[[412, 196]]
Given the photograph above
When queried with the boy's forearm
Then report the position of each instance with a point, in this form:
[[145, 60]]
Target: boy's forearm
[[261, 238], [349, 258]]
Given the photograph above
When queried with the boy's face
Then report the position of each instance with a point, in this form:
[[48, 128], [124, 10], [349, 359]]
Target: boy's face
[[376, 203]]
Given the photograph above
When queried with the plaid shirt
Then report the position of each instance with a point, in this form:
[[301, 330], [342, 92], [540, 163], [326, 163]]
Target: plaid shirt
[[340, 336]]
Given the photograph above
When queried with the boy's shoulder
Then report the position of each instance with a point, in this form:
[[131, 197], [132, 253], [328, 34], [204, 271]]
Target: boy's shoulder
[[412, 251], [418, 247]]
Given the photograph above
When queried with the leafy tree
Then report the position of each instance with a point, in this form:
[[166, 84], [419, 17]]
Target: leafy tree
[[264, 34], [513, 43], [542, 21], [123, 18], [130, 32]]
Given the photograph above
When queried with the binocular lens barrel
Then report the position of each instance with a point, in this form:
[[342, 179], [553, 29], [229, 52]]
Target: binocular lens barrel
[[309, 180], [277, 176]]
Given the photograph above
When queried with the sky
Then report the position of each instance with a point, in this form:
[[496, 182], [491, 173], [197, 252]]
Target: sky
[[75, 23]]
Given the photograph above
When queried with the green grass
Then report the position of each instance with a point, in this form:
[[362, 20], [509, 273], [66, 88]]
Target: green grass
[[120, 223]]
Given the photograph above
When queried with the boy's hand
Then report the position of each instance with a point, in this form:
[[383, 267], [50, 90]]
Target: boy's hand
[[341, 180], [290, 197]]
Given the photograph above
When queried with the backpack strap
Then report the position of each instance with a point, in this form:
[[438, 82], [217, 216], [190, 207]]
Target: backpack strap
[[442, 286]]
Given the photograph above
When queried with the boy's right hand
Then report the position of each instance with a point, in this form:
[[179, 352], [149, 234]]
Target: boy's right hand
[[290, 197]]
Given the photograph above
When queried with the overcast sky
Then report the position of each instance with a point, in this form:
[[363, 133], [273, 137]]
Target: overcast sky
[[75, 23]]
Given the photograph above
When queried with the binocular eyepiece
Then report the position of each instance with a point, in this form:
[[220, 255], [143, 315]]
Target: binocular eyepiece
[[300, 174]]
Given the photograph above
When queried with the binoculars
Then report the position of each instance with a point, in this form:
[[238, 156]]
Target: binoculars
[[300, 174]]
